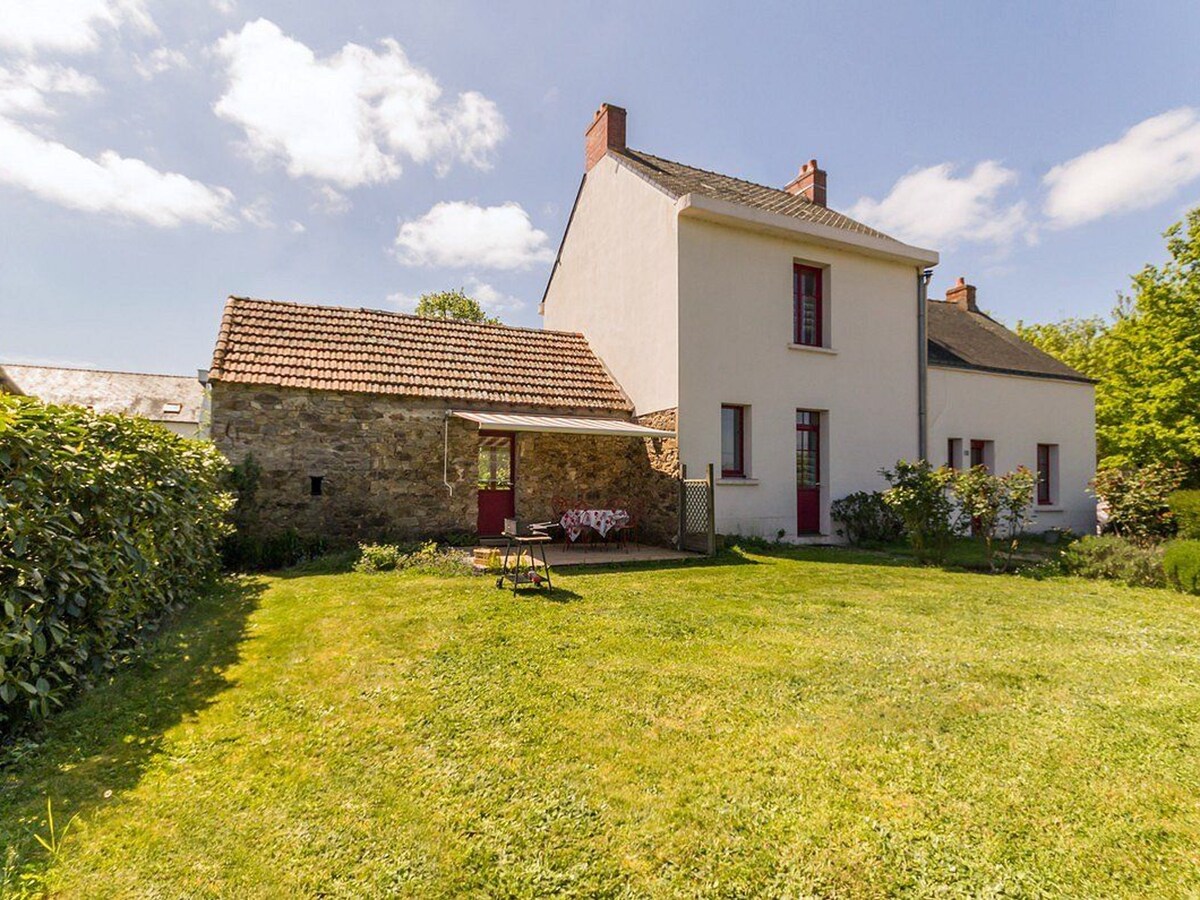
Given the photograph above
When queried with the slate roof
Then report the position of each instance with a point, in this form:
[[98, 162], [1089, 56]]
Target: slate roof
[[371, 351], [126, 393], [971, 340], [677, 180]]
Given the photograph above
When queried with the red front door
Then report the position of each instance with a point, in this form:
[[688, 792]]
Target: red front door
[[808, 472], [496, 497], [978, 453]]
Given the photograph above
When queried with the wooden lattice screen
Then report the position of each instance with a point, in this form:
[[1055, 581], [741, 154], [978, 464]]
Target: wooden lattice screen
[[697, 514]]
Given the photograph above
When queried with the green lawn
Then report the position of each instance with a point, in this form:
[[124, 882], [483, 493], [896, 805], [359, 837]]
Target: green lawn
[[806, 724]]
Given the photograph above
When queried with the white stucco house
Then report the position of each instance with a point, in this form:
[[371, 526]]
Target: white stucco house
[[795, 347]]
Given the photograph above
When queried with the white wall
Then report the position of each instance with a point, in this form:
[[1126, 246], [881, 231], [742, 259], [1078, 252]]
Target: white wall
[[735, 328], [1018, 413], [616, 283]]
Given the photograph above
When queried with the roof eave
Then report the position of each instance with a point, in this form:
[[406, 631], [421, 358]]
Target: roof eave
[[699, 206]]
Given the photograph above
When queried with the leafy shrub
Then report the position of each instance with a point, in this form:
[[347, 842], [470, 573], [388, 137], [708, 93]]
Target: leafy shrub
[[106, 524], [1185, 508], [1137, 499], [866, 518], [918, 496], [1117, 558], [1181, 562], [425, 557], [994, 506]]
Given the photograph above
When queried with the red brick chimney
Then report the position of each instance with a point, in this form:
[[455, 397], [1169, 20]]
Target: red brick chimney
[[962, 295], [607, 132], [810, 183]]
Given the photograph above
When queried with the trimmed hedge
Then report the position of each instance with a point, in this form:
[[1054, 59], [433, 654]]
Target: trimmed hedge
[[1185, 507], [106, 524], [1182, 564], [1118, 558]]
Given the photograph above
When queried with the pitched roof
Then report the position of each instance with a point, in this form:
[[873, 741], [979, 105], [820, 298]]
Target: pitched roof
[[972, 340], [127, 393], [371, 351], [677, 179]]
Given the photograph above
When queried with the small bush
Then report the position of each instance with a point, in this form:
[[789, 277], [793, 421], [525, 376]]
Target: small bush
[[426, 558], [1181, 562], [866, 518], [1185, 508], [1137, 500], [1117, 558], [994, 506], [918, 495]]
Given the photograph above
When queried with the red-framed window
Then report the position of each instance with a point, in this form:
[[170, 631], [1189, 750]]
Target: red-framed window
[[808, 291], [733, 441], [1045, 474]]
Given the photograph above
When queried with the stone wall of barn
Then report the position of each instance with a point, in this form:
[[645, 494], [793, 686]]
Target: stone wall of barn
[[380, 462]]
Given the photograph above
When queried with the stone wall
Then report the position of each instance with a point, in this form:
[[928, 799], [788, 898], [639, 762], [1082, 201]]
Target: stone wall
[[380, 460]]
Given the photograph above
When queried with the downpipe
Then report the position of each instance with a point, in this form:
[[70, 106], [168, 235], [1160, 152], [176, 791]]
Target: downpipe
[[923, 278]]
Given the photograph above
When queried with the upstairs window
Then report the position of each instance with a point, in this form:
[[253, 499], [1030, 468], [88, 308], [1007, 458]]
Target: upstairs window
[[808, 291], [733, 441]]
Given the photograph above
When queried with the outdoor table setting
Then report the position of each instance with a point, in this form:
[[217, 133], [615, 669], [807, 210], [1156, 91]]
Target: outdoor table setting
[[602, 521]]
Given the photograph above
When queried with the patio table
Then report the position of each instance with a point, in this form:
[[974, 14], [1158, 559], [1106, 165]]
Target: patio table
[[602, 521]]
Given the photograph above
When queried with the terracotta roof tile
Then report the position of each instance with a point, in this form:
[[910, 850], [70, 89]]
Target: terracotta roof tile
[[372, 351]]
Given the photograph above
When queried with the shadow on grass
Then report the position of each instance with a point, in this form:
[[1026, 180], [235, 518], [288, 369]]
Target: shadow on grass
[[100, 746]]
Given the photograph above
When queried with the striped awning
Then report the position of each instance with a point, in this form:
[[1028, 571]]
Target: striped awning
[[561, 424]]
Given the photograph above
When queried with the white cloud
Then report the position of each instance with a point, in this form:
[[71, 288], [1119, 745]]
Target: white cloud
[[403, 302], [67, 26], [109, 184], [23, 89], [491, 299], [161, 60], [330, 201], [1146, 165], [934, 208], [347, 118], [458, 234], [296, 227], [258, 213]]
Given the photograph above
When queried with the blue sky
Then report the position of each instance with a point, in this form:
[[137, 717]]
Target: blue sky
[[158, 156]]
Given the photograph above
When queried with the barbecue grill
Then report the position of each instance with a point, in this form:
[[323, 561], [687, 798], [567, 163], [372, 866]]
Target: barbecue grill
[[526, 540]]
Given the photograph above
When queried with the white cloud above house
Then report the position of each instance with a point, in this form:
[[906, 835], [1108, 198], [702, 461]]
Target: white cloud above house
[[492, 299], [67, 26], [1148, 164], [160, 60], [348, 118], [110, 183], [935, 207], [23, 88], [465, 235]]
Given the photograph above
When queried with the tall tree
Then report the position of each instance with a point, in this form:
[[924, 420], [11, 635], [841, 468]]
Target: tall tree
[[454, 304], [1146, 359]]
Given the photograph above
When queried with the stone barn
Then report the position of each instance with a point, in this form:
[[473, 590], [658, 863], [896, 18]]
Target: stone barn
[[378, 425]]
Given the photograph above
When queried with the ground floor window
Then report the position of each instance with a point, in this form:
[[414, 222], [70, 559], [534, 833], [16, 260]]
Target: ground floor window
[[733, 441], [1047, 474], [954, 453]]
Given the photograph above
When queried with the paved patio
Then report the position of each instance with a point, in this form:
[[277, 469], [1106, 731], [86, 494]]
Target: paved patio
[[559, 556]]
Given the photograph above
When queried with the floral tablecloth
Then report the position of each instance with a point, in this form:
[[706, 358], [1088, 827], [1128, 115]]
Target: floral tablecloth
[[601, 520]]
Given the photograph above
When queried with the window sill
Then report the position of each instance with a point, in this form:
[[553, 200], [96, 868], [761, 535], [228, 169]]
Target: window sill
[[739, 482], [1049, 507], [828, 351]]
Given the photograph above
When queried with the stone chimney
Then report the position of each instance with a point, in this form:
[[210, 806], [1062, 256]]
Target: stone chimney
[[810, 183], [962, 295], [607, 132]]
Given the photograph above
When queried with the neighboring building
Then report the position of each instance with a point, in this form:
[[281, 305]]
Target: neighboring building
[[174, 401], [741, 325]]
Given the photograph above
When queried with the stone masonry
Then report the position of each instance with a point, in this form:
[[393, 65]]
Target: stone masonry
[[380, 461]]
